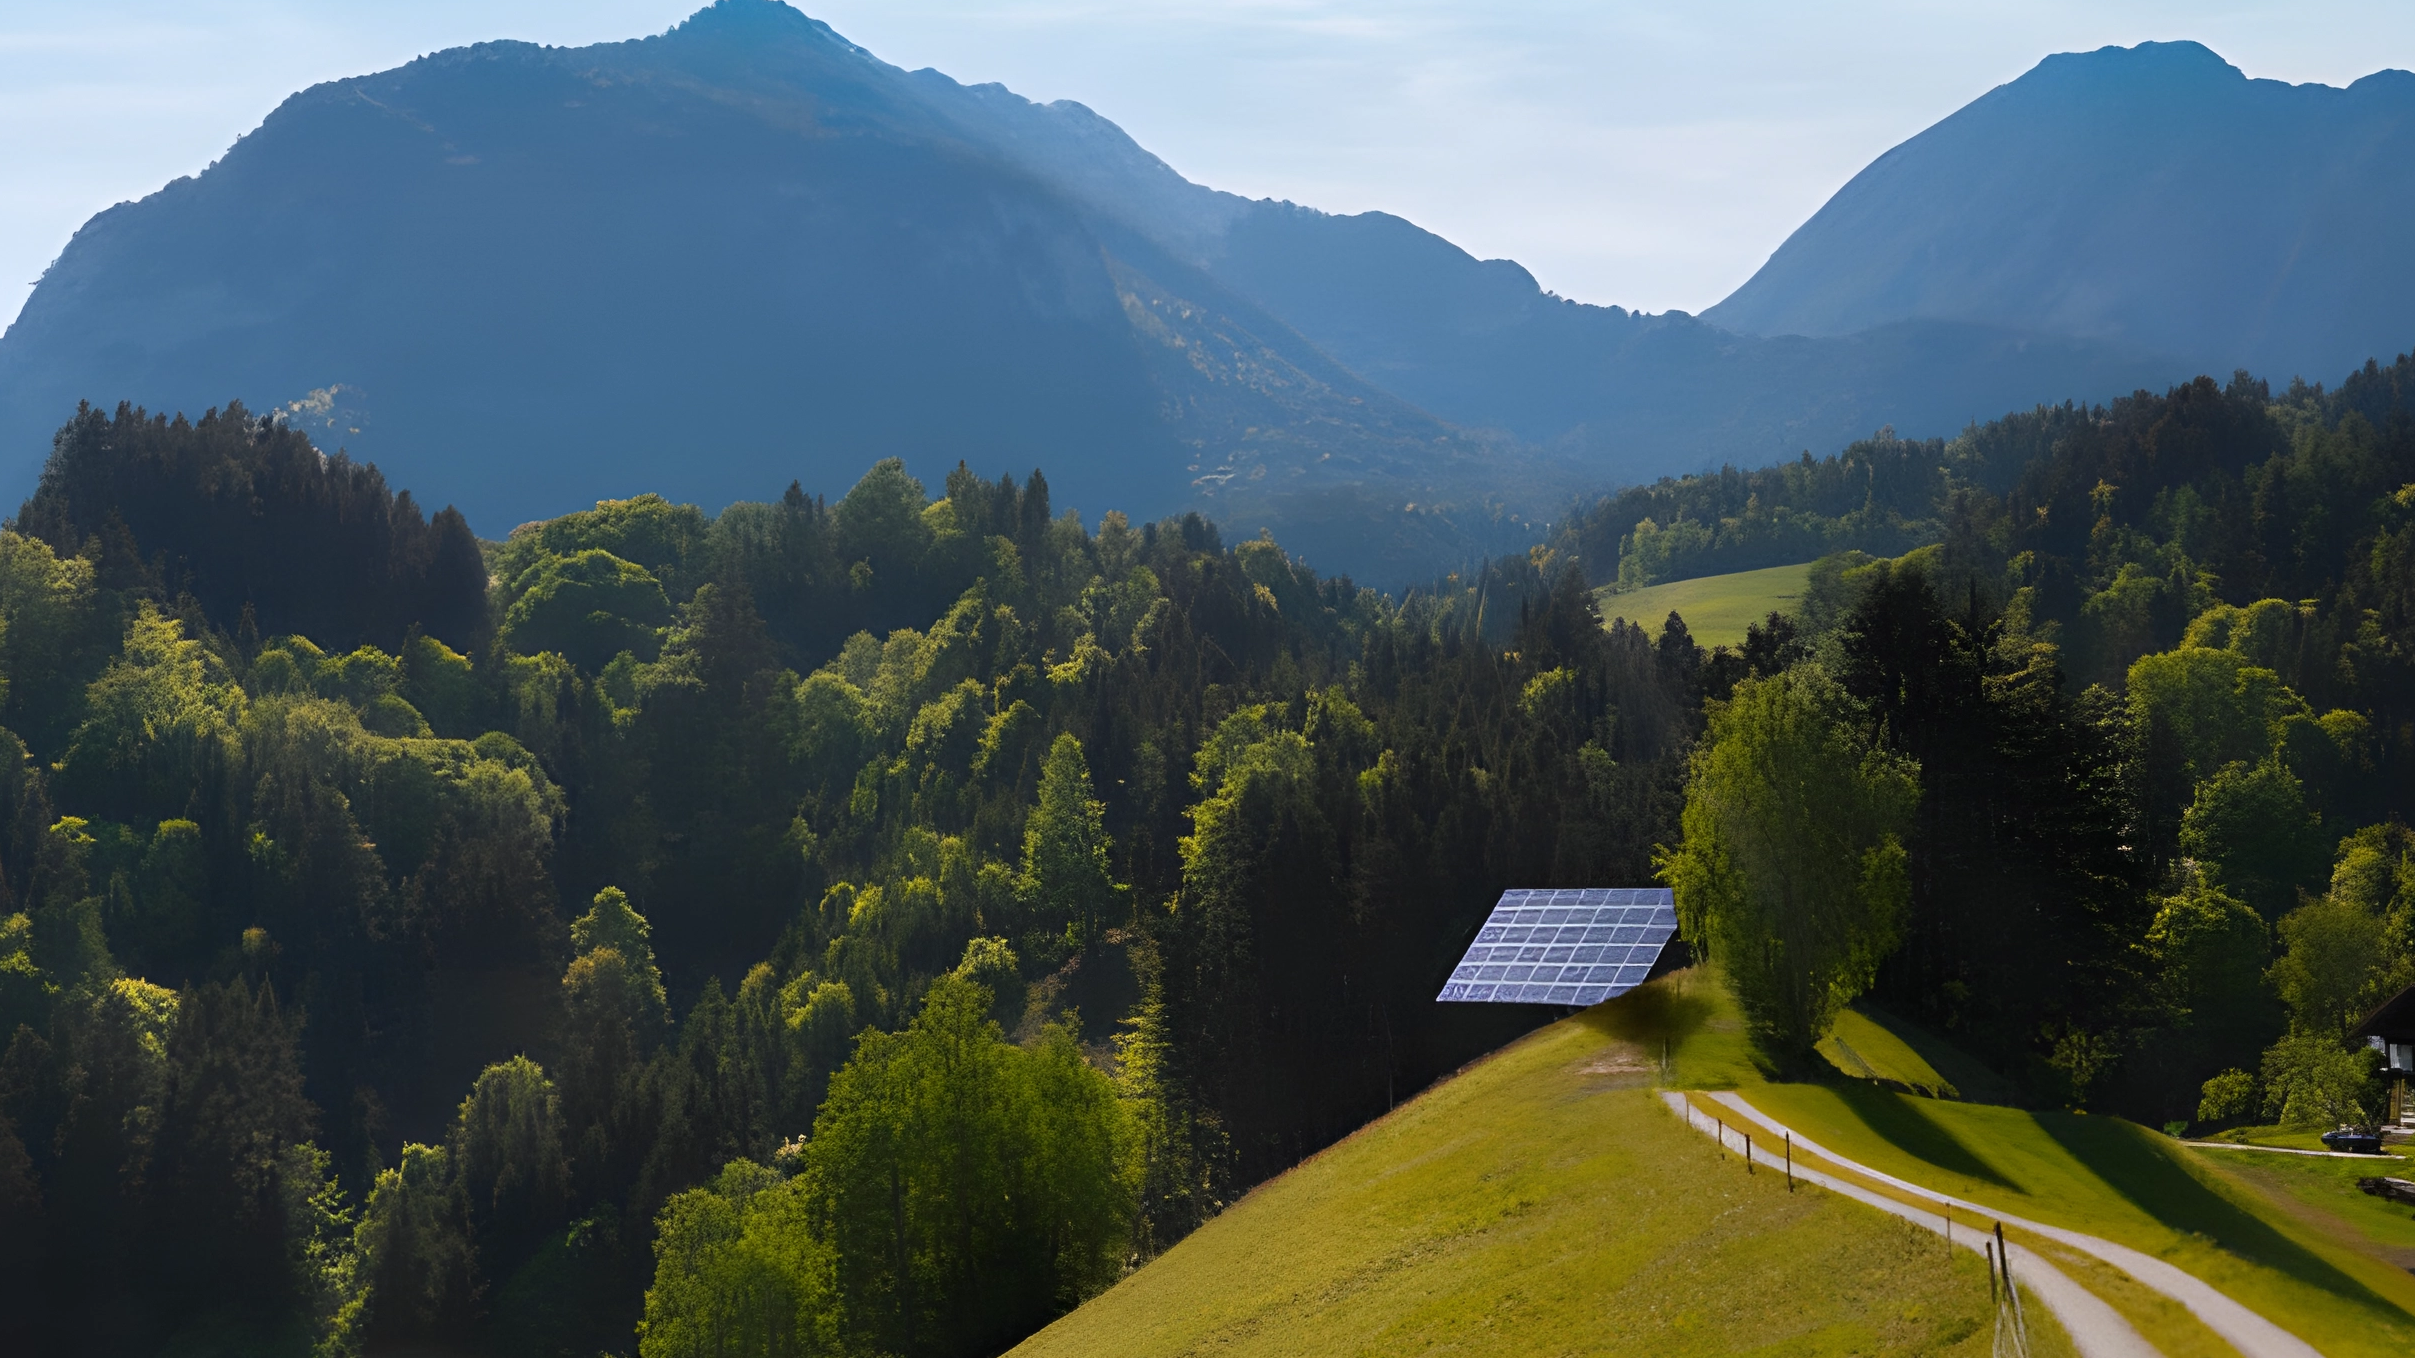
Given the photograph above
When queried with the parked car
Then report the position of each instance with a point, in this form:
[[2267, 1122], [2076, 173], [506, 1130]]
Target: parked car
[[2354, 1142]]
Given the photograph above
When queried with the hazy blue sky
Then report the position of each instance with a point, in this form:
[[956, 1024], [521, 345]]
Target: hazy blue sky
[[1646, 154]]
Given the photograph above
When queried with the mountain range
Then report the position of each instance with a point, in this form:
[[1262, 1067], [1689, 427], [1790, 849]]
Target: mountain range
[[523, 278]]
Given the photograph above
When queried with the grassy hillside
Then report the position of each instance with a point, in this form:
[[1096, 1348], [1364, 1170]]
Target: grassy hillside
[[2288, 1236], [1716, 608], [1540, 1202]]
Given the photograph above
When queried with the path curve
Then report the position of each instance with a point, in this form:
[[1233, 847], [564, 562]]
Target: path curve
[[2096, 1329], [2251, 1334]]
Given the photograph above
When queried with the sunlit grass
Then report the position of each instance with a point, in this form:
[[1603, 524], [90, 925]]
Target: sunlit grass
[[2322, 1193], [2245, 1229], [1543, 1202], [1865, 1049], [1716, 608]]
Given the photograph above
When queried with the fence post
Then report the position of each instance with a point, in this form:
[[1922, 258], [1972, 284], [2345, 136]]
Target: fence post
[[1790, 1162]]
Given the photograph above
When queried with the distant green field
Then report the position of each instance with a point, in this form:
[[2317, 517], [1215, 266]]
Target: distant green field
[[1541, 1202], [1716, 608]]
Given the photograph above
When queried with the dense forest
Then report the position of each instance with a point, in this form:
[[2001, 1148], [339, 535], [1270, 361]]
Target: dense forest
[[872, 925], [2153, 678], [402, 949]]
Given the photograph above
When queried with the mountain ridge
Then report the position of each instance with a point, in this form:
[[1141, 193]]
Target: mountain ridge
[[746, 250], [2098, 196]]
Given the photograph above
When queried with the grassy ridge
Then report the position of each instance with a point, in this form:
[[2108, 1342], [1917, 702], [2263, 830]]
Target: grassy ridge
[[1716, 608], [1540, 1202]]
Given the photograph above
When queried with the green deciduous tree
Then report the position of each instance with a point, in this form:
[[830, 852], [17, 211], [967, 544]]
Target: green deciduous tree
[[2226, 1096], [54, 637], [588, 607], [2311, 1080], [736, 1271], [1791, 874], [2376, 871], [417, 1268], [2220, 708], [611, 922], [506, 1150], [967, 1189], [2335, 965], [957, 1193], [2209, 950], [160, 717], [2251, 828]]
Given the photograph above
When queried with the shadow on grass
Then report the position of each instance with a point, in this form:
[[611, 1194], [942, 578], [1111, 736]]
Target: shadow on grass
[[1973, 1080], [1667, 1009], [2119, 1153], [1899, 1121]]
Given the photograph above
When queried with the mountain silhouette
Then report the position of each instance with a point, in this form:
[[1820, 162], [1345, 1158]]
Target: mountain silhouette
[[524, 278], [1618, 395], [704, 263], [2150, 197]]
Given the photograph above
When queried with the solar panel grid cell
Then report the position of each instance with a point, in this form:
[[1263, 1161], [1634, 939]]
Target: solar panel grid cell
[[1569, 946]]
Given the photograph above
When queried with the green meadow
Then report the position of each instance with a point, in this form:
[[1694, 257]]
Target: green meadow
[[2288, 1236], [1542, 1202], [1716, 608]]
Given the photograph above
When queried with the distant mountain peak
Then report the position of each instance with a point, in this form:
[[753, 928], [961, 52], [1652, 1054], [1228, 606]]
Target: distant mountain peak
[[746, 250], [760, 28], [2154, 197], [755, 17], [2183, 55]]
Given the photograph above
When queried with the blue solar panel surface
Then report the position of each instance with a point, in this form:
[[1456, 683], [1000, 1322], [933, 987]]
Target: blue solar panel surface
[[1578, 946]]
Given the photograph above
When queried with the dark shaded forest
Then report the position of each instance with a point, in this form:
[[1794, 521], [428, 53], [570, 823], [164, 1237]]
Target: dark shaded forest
[[397, 947]]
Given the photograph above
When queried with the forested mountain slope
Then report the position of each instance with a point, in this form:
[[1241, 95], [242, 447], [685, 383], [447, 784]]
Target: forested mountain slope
[[2151, 197]]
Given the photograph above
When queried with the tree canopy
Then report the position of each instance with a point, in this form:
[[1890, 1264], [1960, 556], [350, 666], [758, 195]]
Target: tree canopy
[[1792, 875]]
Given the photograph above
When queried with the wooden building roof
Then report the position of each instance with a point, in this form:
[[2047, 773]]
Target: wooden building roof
[[2394, 1021]]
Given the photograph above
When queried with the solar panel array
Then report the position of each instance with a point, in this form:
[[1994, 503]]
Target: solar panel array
[[1578, 946]]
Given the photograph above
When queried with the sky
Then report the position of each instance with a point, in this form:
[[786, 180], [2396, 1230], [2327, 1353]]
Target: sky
[[1649, 155]]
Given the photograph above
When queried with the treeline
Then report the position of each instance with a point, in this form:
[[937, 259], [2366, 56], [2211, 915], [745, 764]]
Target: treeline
[[2157, 694], [2229, 460], [258, 526], [868, 924], [1884, 495]]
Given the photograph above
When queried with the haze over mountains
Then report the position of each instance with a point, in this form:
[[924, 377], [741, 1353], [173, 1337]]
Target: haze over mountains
[[523, 278], [2152, 197]]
